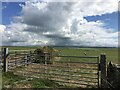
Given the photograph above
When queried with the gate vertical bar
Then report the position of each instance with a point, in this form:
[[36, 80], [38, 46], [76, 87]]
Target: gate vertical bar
[[69, 71], [15, 59], [45, 64], [98, 72], [30, 56]]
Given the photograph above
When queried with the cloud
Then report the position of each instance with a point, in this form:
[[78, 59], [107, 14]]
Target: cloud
[[61, 23], [2, 28]]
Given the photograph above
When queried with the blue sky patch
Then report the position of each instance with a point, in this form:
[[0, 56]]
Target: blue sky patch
[[10, 10], [110, 20]]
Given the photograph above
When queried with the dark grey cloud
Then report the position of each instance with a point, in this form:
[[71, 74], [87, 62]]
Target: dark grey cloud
[[59, 40]]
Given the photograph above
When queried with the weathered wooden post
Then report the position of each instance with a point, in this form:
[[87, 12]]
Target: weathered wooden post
[[103, 71], [5, 63]]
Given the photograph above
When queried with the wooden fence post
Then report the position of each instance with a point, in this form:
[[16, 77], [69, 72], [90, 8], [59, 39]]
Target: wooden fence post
[[5, 63], [103, 71]]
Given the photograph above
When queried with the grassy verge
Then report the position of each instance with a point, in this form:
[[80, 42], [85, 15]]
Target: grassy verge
[[15, 81]]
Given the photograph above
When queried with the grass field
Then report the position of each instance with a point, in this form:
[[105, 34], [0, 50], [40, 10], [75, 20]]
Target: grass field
[[111, 53]]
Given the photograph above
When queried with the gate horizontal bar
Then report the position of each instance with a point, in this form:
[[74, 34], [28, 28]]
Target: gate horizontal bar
[[75, 67], [75, 62], [48, 68], [79, 83]]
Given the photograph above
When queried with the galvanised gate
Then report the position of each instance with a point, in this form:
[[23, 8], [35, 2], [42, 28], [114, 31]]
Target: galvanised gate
[[75, 71]]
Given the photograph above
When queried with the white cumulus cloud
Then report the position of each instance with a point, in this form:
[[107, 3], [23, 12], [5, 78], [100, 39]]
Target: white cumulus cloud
[[61, 23]]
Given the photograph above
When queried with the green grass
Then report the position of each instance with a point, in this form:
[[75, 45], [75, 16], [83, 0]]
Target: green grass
[[10, 80], [44, 83], [111, 53]]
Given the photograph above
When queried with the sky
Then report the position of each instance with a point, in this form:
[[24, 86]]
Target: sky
[[60, 23]]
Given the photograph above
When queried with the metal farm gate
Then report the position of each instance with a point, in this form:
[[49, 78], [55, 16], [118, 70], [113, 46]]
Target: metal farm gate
[[75, 71]]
